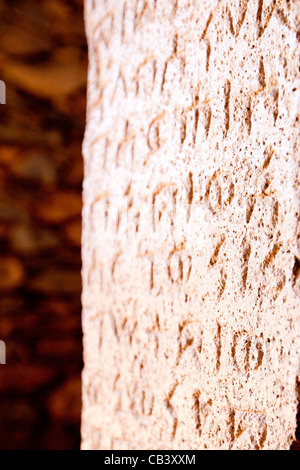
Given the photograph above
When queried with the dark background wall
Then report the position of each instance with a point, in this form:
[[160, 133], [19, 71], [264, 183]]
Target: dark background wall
[[43, 61]]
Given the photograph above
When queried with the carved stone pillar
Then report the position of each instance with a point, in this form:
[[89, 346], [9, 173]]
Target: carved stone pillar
[[191, 211]]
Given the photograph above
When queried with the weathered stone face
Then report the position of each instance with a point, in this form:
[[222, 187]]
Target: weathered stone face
[[191, 199]]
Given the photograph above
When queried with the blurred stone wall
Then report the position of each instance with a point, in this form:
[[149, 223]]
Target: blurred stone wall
[[43, 61]]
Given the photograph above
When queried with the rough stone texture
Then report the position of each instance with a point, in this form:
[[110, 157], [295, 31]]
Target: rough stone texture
[[40, 221], [190, 250]]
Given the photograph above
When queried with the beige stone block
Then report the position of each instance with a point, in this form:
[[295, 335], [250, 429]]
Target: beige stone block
[[190, 222]]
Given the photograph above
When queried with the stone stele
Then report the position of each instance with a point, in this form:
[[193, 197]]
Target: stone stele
[[191, 213]]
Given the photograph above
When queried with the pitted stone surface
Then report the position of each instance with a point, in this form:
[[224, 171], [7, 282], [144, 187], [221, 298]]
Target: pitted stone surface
[[191, 215]]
